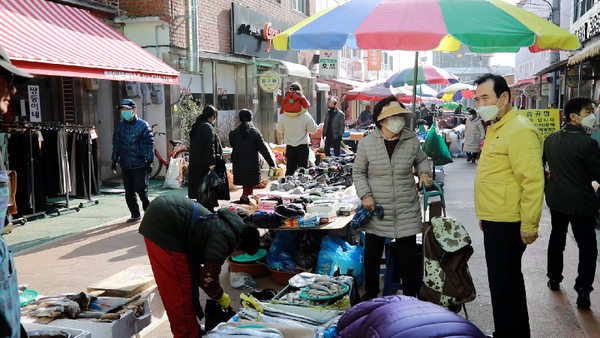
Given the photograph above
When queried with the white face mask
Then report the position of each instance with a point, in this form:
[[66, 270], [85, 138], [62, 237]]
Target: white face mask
[[395, 124], [588, 121], [490, 112]]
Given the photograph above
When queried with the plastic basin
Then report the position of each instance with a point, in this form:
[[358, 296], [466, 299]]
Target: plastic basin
[[254, 269], [282, 277]]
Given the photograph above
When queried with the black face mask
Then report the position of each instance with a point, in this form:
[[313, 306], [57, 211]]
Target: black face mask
[[331, 108]]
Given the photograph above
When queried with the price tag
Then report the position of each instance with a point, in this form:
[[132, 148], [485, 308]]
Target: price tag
[[93, 134]]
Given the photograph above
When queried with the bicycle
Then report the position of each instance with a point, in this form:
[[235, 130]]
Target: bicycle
[[178, 151]]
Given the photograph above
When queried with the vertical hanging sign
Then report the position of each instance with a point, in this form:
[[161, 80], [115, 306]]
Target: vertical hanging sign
[[374, 60], [35, 114]]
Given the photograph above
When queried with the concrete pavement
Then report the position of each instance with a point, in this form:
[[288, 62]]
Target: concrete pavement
[[70, 264]]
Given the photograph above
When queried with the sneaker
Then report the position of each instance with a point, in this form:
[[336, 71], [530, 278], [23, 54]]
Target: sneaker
[[554, 285], [134, 219], [7, 229], [583, 298]]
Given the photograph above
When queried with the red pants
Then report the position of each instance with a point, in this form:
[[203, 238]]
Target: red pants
[[174, 280], [247, 191]]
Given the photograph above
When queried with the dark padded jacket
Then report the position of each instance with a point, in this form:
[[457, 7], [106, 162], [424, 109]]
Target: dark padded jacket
[[338, 124], [167, 221], [403, 317], [246, 168], [205, 150], [133, 144], [574, 161]]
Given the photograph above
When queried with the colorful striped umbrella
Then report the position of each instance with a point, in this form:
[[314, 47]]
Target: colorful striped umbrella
[[456, 92], [441, 25], [426, 74], [422, 90], [375, 90]]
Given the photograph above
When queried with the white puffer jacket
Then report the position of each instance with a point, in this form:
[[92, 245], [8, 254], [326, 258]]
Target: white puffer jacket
[[391, 182]]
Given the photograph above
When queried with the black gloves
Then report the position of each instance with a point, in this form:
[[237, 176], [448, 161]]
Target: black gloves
[[114, 167], [148, 167]]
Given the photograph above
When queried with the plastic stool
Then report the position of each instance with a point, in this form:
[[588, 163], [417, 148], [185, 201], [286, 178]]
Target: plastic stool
[[388, 282], [361, 242]]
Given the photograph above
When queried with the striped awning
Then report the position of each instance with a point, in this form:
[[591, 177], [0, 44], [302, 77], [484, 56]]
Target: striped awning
[[46, 38], [584, 54]]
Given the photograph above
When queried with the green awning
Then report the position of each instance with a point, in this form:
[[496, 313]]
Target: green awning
[[294, 69]]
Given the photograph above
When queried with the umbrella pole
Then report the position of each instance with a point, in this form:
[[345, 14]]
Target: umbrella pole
[[415, 76]]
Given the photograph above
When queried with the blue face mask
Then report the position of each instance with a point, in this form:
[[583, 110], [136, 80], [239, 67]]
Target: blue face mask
[[127, 114]]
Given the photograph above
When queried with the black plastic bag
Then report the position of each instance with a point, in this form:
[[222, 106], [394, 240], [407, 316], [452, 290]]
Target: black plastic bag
[[307, 252], [216, 314], [209, 189]]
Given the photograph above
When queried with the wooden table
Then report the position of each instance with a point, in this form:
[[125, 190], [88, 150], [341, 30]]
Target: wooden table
[[342, 222]]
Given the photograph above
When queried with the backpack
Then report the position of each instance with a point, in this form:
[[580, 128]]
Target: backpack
[[447, 247], [294, 102]]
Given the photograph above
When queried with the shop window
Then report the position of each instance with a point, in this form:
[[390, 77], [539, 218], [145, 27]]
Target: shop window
[[299, 5]]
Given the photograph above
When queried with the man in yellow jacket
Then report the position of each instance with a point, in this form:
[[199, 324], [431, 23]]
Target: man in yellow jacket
[[509, 192]]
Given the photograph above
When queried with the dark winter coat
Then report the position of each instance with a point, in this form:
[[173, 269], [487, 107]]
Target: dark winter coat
[[574, 161], [403, 317], [205, 150], [167, 221], [133, 144], [338, 124], [246, 167]]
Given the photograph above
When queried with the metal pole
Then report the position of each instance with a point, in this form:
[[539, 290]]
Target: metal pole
[[32, 170], [554, 57], [414, 98]]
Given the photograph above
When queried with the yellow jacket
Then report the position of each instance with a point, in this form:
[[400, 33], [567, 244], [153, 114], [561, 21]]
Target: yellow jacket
[[509, 183]]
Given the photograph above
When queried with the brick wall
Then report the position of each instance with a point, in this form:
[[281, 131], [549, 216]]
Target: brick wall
[[137, 8], [214, 22]]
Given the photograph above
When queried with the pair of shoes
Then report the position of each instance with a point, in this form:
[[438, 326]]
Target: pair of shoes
[[583, 298], [134, 219], [367, 297], [554, 285]]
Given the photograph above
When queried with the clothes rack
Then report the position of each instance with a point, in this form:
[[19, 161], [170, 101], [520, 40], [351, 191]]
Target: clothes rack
[[31, 128]]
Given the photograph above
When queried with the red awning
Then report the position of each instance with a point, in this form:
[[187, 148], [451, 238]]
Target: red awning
[[46, 38]]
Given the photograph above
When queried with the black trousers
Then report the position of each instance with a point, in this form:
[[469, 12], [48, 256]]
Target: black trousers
[[335, 143], [297, 157], [135, 181], [584, 230], [503, 252], [405, 259]]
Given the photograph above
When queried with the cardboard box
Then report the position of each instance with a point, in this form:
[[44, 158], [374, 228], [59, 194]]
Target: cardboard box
[[75, 333]]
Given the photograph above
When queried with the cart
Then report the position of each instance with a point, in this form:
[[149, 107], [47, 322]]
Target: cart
[[446, 250]]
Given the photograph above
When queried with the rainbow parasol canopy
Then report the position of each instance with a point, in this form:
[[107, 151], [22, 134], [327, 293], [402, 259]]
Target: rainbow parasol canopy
[[441, 25]]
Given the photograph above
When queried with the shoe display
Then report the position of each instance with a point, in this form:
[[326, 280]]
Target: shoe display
[[554, 285], [583, 298]]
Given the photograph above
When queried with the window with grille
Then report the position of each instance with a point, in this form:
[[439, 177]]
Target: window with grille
[[68, 95], [299, 5]]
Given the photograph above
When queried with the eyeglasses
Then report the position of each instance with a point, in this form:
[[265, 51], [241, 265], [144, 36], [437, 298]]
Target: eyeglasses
[[10, 80]]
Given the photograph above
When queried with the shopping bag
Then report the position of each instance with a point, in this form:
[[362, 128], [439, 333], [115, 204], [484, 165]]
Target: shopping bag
[[174, 174], [435, 147], [209, 190], [216, 314]]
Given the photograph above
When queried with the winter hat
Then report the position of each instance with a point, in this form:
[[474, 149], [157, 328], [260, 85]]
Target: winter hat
[[289, 211]]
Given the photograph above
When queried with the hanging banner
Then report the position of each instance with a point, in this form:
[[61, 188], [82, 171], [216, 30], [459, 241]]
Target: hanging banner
[[35, 114], [374, 60], [547, 121], [268, 81], [328, 61]]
